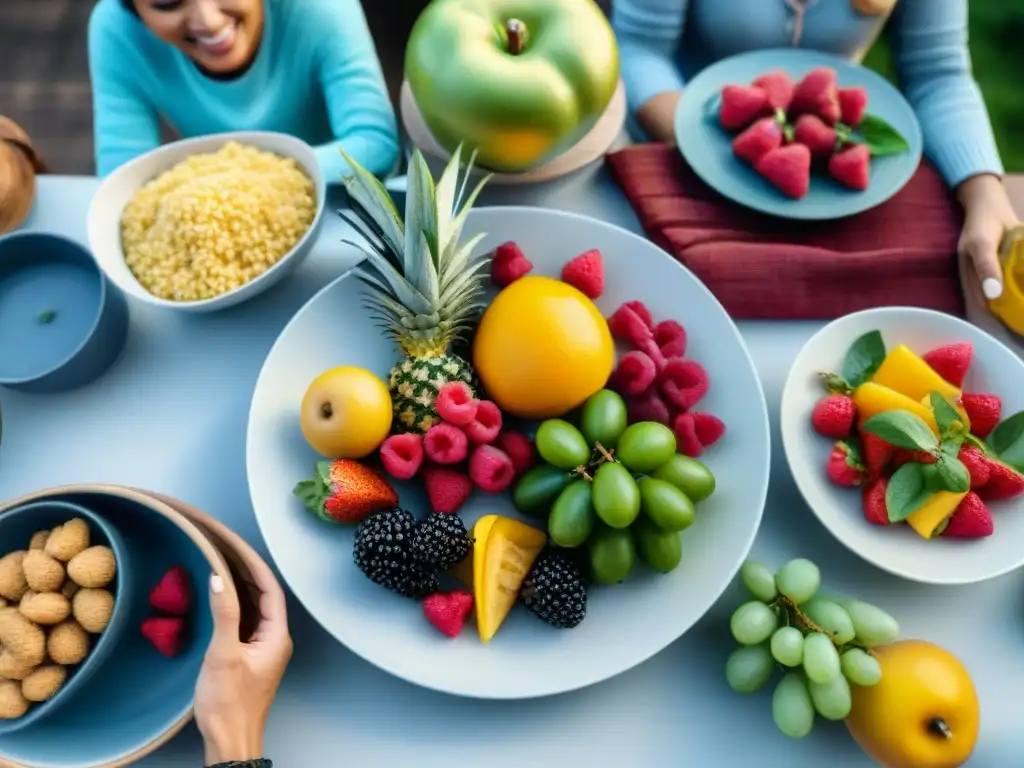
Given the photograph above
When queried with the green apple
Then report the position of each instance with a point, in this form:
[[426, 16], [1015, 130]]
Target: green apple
[[520, 81]]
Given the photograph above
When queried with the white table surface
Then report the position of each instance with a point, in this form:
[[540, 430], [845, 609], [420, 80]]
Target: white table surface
[[171, 416]]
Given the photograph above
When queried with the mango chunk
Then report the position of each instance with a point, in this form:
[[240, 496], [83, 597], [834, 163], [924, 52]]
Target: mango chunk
[[939, 508], [475, 562], [908, 374], [509, 549], [872, 398]]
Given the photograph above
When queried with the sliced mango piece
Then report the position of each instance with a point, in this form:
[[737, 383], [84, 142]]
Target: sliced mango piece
[[508, 554], [470, 571], [926, 401], [872, 399], [904, 371], [939, 508]]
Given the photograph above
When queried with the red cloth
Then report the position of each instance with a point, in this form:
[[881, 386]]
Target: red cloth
[[901, 253]]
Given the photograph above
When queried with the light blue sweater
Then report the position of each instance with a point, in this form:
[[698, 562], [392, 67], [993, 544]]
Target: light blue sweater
[[663, 42], [316, 76]]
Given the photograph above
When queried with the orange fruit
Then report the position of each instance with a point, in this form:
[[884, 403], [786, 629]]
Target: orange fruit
[[542, 348]]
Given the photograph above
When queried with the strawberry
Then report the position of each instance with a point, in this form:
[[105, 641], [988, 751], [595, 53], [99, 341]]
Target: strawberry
[[816, 94], [778, 86], [978, 465], [741, 105], [173, 593], [1003, 482], [757, 140], [788, 168], [345, 491], [901, 456], [853, 102], [447, 611], [876, 454], [509, 264], [873, 501], [844, 466], [971, 520], [951, 362], [833, 416], [166, 634], [851, 167], [586, 273], [814, 134], [983, 411], [447, 489]]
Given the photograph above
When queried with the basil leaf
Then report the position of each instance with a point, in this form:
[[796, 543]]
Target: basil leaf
[[946, 417], [863, 358], [952, 474], [906, 492], [1007, 440], [880, 137], [902, 429]]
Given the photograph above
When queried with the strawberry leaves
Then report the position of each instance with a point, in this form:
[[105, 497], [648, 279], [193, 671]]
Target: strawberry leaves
[[903, 430], [881, 138]]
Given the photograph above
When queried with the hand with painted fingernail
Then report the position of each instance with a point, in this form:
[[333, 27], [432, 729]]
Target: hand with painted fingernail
[[988, 214]]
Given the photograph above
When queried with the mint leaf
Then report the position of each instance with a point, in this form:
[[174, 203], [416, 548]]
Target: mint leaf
[[1007, 440], [952, 473], [906, 492], [902, 429], [880, 137], [946, 417], [863, 358]]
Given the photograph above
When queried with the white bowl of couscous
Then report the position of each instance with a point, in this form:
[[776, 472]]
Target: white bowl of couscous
[[203, 224]]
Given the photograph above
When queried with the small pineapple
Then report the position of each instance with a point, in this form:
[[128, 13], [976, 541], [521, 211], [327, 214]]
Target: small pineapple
[[423, 289]]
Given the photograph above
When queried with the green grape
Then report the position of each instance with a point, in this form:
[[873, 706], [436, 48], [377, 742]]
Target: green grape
[[753, 623], [872, 625], [748, 668], [788, 646], [798, 580], [792, 709], [830, 617], [560, 444], [860, 668], [832, 700], [821, 660], [759, 581]]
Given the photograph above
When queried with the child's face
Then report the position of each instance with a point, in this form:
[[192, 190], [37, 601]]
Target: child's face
[[221, 36]]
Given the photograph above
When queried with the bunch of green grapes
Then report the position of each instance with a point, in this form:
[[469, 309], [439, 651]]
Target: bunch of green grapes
[[821, 644]]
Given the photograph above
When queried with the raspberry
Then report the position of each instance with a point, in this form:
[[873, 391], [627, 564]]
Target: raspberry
[[455, 403], [671, 338], [648, 406], [687, 441], [509, 264], [586, 273], [402, 455], [626, 325], [486, 425], [641, 311], [491, 469], [634, 374], [653, 351], [447, 490], [445, 444], [447, 611], [683, 383], [519, 449], [709, 428]]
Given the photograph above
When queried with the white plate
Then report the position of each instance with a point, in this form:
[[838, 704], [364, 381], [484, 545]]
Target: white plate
[[626, 624], [995, 369]]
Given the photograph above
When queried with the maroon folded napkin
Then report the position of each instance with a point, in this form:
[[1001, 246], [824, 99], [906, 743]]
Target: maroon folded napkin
[[901, 253]]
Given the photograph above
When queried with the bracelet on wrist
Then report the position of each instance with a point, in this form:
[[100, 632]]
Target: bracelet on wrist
[[259, 763]]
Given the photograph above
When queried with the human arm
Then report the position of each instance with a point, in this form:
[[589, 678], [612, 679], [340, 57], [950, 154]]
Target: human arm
[[362, 119], [648, 32], [125, 123]]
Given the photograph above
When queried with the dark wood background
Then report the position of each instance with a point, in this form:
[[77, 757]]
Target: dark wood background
[[44, 79]]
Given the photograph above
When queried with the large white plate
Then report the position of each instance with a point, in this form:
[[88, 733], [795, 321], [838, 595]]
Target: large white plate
[[626, 624], [995, 370]]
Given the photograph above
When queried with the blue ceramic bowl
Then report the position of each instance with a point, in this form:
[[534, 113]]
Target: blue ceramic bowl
[[16, 528], [139, 699], [62, 322]]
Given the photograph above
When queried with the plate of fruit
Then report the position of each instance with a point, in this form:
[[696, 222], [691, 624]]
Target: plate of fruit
[[798, 134], [904, 431], [515, 453]]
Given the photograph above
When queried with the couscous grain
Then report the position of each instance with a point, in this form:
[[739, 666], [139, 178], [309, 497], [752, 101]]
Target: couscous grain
[[216, 221]]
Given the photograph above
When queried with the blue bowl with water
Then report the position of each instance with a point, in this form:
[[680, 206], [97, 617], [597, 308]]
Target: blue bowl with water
[[62, 322], [137, 699], [16, 528]]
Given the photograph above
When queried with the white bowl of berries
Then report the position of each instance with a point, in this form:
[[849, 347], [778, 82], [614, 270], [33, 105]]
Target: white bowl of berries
[[904, 431]]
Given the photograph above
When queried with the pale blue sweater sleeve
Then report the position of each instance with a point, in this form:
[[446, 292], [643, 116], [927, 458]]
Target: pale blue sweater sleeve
[[648, 32], [934, 63]]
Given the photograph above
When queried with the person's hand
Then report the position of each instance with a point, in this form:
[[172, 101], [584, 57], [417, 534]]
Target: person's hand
[[988, 214], [657, 116], [238, 681]]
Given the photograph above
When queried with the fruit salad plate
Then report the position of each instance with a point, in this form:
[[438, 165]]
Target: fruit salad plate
[[904, 431], [327, 565], [766, 129]]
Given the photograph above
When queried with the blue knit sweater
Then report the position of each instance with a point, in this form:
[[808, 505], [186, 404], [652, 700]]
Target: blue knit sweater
[[663, 42]]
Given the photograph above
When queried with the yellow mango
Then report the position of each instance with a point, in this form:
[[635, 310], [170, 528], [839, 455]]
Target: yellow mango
[[934, 512], [476, 557], [508, 554], [905, 372], [872, 399], [926, 401]]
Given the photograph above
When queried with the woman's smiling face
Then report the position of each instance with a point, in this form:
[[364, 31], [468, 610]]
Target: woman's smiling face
[[221, 36]]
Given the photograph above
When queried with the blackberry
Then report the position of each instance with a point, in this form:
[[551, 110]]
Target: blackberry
[[554, 591], [440, 541], [383, 551]]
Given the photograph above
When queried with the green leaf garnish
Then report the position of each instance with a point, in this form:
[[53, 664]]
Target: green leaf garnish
[[863, 358], [952, 474], [903, 430], [46, 317], [906, 492], [881, 138], [1007, 440]]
